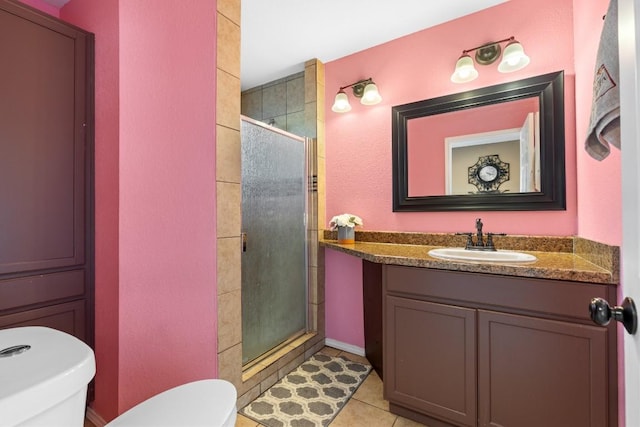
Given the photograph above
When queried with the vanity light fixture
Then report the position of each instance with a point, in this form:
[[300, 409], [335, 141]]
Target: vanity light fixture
[[513, 59], [365, 89]]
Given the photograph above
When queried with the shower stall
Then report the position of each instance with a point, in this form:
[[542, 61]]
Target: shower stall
[[274, 238]]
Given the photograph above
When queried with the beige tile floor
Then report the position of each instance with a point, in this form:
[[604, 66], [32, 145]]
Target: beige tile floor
[[366, 407]]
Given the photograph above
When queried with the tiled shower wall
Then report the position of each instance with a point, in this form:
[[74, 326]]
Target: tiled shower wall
[[279, 103]]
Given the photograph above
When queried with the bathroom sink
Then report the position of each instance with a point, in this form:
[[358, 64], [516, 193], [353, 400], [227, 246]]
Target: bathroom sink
[[461, 254]]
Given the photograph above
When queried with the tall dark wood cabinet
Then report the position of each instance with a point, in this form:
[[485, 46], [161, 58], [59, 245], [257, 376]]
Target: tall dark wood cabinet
[[46, 172]]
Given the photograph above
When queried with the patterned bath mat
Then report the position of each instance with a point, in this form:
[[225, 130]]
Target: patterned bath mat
[[311, 395]]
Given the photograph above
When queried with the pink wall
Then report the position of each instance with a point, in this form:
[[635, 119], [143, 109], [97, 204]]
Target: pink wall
[[155, 196], [101, 18], [167, 196], [599, 189], [346, 323], [419, 66]]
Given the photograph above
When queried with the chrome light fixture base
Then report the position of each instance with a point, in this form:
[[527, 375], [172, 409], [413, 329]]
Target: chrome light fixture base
[[358, 88], [488, 53]]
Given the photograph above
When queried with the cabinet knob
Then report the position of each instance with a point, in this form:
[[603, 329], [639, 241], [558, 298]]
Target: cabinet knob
[[601, 313]]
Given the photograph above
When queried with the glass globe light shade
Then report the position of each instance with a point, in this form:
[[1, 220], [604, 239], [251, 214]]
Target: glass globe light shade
[[513, 58], [341, 103], [370, 96], [465, 71]]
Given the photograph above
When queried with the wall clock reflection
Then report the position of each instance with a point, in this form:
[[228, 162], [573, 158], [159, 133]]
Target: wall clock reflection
[[488, 173]]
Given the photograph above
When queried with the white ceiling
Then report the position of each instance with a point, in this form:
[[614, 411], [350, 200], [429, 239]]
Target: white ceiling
[[278, 36]]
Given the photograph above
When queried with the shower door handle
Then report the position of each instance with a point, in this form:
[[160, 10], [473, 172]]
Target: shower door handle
[[244, 241]]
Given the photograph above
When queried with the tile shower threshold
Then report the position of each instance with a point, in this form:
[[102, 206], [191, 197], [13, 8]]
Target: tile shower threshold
[[256, 366]]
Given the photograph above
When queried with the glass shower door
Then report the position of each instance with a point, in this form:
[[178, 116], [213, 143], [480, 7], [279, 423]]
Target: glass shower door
[[274, 254]]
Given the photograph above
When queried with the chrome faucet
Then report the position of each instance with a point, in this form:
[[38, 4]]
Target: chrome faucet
[[480, 244]]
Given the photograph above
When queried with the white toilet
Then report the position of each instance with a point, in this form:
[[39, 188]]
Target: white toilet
[[43, 382], [200, 403]]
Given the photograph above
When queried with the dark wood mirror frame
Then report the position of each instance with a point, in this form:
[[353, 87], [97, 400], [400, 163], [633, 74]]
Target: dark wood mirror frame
[[549, 88]]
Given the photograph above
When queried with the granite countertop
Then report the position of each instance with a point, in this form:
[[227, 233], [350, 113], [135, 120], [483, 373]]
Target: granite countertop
[[564, 264]]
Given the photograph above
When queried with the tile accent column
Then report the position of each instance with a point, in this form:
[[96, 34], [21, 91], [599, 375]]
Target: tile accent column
[[228, 192], [314, 123]]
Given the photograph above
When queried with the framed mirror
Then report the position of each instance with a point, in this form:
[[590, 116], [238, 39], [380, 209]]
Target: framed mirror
[[495, 148]]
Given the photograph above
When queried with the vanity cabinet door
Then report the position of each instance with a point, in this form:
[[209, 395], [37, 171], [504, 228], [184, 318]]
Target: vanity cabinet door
[[430, 359], [539, 372]]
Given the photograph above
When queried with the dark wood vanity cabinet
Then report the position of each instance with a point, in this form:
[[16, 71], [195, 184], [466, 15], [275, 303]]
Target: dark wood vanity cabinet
[[467, 349]]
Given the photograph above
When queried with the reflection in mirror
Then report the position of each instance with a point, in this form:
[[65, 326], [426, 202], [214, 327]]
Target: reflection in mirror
[[495, 148], [442, 148]]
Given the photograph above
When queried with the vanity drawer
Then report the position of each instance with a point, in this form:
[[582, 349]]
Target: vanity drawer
[[505, 293]]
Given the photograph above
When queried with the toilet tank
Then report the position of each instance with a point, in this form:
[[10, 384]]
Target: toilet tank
[[44, 375]]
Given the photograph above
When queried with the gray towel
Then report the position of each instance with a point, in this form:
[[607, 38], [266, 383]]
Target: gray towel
[[604, 124]]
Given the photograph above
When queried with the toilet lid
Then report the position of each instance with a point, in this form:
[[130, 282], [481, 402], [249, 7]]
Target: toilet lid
[[39, 368], [200, 403]]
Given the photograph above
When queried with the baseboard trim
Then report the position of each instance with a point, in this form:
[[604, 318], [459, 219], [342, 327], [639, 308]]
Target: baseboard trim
[[95, 419], [344, 346]]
